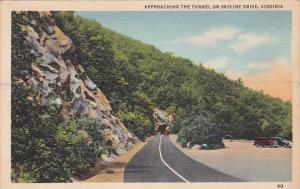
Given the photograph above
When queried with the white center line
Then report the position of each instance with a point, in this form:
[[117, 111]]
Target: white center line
[[169, 167]]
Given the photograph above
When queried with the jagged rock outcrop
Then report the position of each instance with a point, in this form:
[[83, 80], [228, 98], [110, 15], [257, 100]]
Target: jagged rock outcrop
[[58, 78], [162, 120]]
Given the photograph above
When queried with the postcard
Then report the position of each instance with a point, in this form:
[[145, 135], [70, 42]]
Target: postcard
[[143, 94]]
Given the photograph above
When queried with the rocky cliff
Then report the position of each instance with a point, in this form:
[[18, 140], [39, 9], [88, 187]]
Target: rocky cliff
[[58, 78], [162, 119]]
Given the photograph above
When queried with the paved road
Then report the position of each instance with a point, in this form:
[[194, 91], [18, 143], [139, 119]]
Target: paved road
[[161, 161]]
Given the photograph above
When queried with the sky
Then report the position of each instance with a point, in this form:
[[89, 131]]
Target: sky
[[254, 45]]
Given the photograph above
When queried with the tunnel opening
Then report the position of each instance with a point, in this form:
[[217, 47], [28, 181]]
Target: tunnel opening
[[162, 128]]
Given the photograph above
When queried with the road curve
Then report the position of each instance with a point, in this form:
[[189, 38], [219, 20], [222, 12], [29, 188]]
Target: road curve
[[161, 161]]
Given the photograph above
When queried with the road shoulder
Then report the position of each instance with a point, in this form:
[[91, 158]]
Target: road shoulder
[[241, 159], [113, 171]]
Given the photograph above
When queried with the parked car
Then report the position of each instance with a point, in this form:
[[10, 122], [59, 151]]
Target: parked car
[[265, 141], [283, 142], [290, 144], [228, 137]]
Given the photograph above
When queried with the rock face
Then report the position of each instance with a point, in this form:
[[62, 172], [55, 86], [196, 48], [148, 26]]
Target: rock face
[[161, 120], [58, 78]]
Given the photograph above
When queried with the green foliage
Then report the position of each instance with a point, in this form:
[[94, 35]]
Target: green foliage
[[20, 56], [140, 77], [49, 148], [199, 130], [137, 123], [45, 146]]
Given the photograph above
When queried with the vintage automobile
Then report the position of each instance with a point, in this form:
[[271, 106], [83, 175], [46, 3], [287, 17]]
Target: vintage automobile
[[283, 142], [266, 142]]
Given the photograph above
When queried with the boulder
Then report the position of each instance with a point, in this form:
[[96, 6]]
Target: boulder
[[56, 101], [124, 129], [120, 151], [44, 101], [38, 73], [33, 22], [30, 31], [63, 69], [50, 30], [43, 89], [66, 109], [45, 14], [51, 77], [33, 43], [113, 156], [26, 19], [129, 145], [196, 147], [43, 39], [102, 101], [34, 53], [129, 135], [53, 47], [188, 145], [86, 92], [111, 139], [64, 75], [106, 122], [106, 158], [92, 113], [89, 84], [77, 104], [49, 58], [33, 83], [51, 22], [75, 86], [62, 39], [49, 68], [79, 69]]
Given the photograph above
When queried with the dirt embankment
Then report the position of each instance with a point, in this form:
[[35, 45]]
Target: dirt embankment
[[112, 171]]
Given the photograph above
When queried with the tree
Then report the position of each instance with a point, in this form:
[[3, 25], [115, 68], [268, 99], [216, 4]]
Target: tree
[[199, 130]]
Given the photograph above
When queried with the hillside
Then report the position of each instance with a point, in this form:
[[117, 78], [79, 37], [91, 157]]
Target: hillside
[[56, 106], [137, 77]]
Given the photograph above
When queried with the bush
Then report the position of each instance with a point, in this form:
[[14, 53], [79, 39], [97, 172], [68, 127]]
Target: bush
[[47, 148], [137, 123], [199, 130]]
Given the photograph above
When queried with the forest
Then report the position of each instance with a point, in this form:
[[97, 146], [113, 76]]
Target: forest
[[137, 77]]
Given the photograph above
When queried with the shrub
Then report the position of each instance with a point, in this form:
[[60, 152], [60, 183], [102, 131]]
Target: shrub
[[47, 148], [137, 123], [199, 130]]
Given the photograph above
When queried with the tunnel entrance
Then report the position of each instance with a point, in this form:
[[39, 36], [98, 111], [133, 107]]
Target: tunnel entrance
[[162, 121], [162, 128]]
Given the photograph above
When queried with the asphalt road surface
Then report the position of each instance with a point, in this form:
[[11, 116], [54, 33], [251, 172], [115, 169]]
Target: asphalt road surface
[[161, 161]]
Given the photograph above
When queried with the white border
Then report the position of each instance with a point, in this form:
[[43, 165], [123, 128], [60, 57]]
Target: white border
[[8, 6]]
